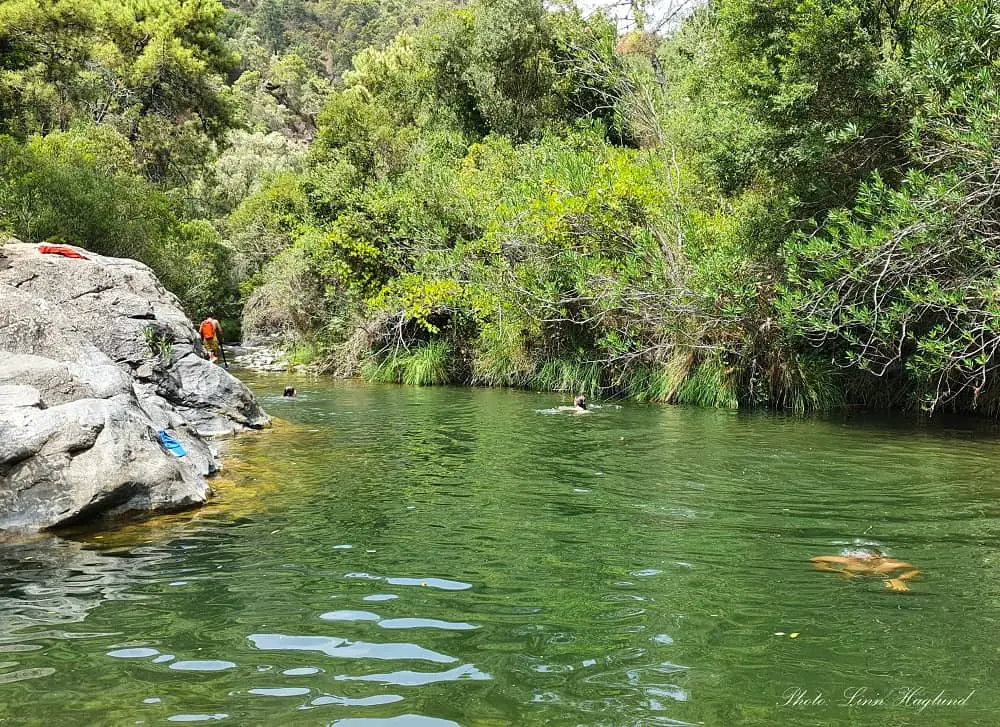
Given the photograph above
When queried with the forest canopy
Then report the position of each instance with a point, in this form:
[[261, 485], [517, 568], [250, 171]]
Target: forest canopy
[[787, 204]]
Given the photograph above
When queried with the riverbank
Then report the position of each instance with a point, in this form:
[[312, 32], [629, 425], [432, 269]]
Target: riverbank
[[98, 360]]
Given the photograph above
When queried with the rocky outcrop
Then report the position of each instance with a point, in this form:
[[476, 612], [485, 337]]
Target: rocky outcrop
[[260, 358], [96, 358]]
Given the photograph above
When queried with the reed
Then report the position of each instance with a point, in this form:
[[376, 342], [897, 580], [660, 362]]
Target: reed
[[500, 359], [710, 384], [429, 364], [387, 370], [557, 374]]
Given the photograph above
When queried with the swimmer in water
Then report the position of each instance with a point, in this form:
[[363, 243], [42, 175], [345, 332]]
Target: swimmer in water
[[864, 563], [579, 406], [289, 391]]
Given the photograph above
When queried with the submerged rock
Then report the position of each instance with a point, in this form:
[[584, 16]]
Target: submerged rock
[[96, 358]]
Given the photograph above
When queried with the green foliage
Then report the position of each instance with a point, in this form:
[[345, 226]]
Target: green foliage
[[787, 204], [428, 364], [903, 284], [82, 187], [250, 162], [502, 356], [151, 69], [709, 384], [159, 345], [657, 383], [546, 255], [265, 223], [304, 353], [569, 375]]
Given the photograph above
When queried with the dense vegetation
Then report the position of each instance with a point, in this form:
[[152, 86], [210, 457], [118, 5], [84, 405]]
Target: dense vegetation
[[791, 203]]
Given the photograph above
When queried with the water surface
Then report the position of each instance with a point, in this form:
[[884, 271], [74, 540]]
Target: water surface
[[432, 557]]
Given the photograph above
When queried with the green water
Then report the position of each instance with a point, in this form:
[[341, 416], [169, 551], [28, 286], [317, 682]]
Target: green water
[[432, 557]]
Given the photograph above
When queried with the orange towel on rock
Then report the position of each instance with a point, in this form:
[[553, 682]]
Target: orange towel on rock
[[64, 250]]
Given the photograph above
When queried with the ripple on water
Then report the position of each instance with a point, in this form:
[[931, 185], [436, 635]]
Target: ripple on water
[[397, 623], [17, 648], [552, 668], [646, 676], [135, 653], [539, 619], [349, 616], [403, 720], [668, 691], [342, 648], [203, 665], [647, 572], [55, 636], [279, 691], [197, 717], [25, 674], [419, 678], [372, 701], [425, 623], [443, 583]]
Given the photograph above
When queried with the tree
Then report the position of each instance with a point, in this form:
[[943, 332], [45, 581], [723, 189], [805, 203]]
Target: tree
[[904, 284]]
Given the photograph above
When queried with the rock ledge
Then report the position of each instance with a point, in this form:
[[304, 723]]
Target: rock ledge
[[96, 358]]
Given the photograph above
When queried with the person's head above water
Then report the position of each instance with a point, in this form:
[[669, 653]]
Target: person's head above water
[[289, 391], [580, 402]]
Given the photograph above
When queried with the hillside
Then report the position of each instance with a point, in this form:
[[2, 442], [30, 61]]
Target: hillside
[[784, 204]]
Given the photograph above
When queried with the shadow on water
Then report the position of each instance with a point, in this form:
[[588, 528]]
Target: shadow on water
[[398, 556]]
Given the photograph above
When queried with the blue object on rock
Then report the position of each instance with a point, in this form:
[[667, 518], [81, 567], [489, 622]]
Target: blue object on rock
[[172, 444]]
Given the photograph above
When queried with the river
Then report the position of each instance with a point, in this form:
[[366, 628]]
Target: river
[[430, 557]]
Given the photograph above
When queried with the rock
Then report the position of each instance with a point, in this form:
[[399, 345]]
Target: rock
[[213, 401], [260, 358], [15, 396], [96, 357], [61, 381], [84, 458]]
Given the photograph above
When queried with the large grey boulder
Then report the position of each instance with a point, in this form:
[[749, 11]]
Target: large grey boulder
[[96, 358], [85, 458]]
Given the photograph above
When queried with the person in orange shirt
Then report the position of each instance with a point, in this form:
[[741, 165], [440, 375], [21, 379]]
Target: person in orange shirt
[[211, 336]]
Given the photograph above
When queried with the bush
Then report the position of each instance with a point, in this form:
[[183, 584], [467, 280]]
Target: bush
[[81, 187]]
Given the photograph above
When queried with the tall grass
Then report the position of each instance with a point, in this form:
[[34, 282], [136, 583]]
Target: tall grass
[[559, 374], [387, 370], [784, 380], [710, 384], [656, 383], [500, 358], [804, 384], [429, 364], [304, 353]]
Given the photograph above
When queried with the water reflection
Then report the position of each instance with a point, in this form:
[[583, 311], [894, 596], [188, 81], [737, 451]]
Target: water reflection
[[405, 720], [419, 678], [50, 582], [450, 557]]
